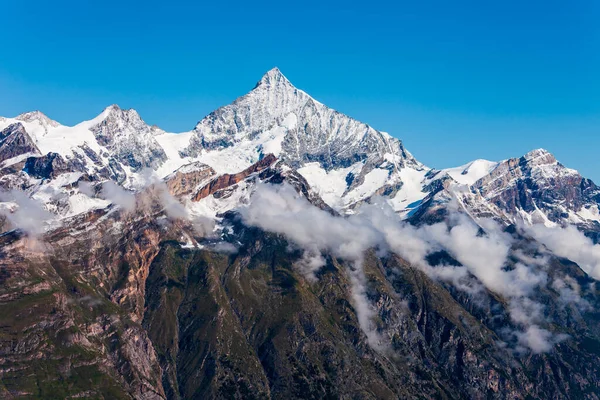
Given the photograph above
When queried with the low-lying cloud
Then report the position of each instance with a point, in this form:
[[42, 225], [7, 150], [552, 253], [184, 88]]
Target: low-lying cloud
[[118, 195], [148, 192], [569, 242], [23, 212], [483, 250]]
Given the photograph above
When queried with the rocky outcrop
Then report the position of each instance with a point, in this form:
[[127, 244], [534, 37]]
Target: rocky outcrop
[[46, 167], [228, 180], [15, 141], [188, 178], [537, 181]]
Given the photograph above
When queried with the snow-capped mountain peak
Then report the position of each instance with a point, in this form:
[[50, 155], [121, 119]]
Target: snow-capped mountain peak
[[273, 78], [278, 118], [539, 157], [125, 134], [37, 116], [121, 116]]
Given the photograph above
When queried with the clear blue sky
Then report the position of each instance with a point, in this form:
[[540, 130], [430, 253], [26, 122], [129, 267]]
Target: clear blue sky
[[455, 80]]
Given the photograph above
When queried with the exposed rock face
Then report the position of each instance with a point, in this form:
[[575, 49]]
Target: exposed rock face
[[15, 141], [249, 325], [187, 178], [62, 336], [532, 189], [119, 309], [228, 180], [537, 183], [46, 167]]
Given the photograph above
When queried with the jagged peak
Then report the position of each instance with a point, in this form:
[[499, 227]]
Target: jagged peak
[[542, 156], [122, 119], [116, 113], [36, 116], [537, 152], [114, 109], [273, 78]]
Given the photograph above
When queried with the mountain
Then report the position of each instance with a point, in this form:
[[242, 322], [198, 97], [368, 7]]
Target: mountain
[[281, 249]]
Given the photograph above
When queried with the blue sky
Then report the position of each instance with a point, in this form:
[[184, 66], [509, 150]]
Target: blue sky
[[454, 80]]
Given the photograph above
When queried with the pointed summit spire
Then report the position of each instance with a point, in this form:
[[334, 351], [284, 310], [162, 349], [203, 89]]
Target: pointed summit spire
[[273, 77]]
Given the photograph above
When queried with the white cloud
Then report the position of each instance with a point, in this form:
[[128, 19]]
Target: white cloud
[[117, 195], [539, 340], [23, 212], [569, 243]]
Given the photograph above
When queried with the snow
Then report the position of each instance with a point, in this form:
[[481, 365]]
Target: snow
[[535, 217], [535, 154], [172, 143], [329, 185], [210, 206], [228, 160], [277, 118], [590, 213], [80, 203], [17, 159], [192, 167], [470, 173], [254, 125], [271, 141], [373, 181], [58, 139], [332, 187], [246, 152], [411, 193]]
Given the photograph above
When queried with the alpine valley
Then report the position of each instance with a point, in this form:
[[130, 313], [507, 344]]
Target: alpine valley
[[281, 249]]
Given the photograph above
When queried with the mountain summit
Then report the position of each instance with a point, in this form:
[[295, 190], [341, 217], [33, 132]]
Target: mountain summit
[[273, 78]]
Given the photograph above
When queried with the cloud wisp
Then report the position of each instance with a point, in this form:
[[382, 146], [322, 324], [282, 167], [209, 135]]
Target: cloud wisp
[[24, 212], [569, 242]]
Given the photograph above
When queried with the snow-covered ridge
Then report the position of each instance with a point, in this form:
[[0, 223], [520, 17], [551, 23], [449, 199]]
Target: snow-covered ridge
[[470, 173], [346, 162], [273, 118]]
